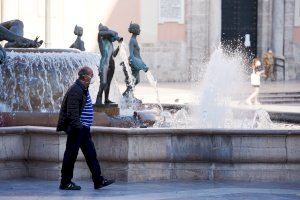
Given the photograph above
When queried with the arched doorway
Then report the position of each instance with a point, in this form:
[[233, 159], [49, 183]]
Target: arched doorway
[[239, 22]]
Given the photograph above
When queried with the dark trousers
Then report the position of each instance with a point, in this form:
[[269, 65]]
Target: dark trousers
[[80, 139]]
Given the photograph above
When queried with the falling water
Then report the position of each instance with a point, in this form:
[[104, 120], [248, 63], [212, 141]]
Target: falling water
[[127, 104], [222, 82], [261, 119], [38, 81], [153, 83], [124, 59]]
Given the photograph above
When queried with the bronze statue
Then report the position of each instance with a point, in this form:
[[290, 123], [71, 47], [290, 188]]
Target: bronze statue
[[12, 31], [78, 44], [135, 61], [106, 37]]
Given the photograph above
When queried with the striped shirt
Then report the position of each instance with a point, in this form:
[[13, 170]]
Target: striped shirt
[[87, 115]]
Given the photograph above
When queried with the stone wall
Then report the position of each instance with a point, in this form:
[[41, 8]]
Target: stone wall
[[197, 20], [157, 154], [167, 61], [288, 40], [264, 26]]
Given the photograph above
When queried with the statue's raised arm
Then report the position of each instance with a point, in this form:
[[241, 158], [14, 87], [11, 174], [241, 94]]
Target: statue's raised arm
[[106, 37]]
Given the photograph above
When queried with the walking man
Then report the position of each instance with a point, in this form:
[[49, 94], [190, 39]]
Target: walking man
[[75, 118]]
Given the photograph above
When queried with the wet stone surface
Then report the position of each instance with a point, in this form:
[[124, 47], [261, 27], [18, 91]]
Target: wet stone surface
[[26, 189]]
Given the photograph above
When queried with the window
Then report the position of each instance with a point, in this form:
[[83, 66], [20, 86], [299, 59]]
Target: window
[[171, 11]]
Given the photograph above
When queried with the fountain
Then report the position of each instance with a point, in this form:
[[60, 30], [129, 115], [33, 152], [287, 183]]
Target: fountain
[[211, 140], [35, 80]]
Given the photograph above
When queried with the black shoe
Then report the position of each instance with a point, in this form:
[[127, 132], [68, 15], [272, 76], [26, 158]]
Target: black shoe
[[69, 186], [104, 183], [109, 102]]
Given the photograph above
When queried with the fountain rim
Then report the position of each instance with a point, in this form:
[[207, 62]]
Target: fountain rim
[[42, 50], [156, 131]]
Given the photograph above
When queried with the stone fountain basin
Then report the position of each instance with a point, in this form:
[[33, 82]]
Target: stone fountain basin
[[30, 147], [47, 119], [129, 154], [42, 50]]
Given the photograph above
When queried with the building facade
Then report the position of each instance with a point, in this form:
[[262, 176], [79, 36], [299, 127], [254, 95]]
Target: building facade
[[178, 36]]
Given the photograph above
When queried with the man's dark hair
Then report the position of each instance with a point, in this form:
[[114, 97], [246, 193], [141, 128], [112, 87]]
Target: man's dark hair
[[83, 71]]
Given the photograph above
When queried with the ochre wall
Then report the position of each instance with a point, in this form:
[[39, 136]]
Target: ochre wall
[[297, 34], [171, 31]]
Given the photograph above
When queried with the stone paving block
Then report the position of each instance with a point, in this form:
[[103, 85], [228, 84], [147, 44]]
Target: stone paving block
[[115, 170], [221, 148], [149, 171], [81, 171], [259, 141], [12, 169], [260, 155], [44, 170], [11, 147], [259, 149], [111, 147], [43, 147], [191, 148], [255, 172], [191, 171], [293, 149], [149, 148]]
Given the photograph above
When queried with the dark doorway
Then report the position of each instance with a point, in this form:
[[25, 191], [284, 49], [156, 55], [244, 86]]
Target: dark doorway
[[239, 17]]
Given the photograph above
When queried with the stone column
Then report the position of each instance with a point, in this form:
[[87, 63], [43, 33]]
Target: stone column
[[264, 26], [288, 40], [48, 23], [197, 36], [278, 27], [215, 24]]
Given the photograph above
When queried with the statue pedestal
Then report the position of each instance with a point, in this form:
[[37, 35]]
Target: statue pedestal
[[111, 110]]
